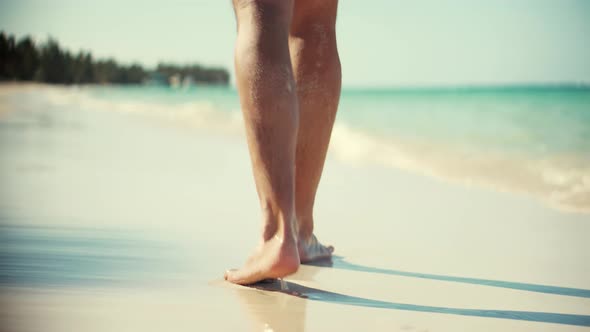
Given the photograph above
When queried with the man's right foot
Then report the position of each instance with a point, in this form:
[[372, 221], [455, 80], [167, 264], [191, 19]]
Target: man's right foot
[[275, 258], [312, 250]]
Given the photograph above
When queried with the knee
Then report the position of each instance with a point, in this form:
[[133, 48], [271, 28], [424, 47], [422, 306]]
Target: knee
[[263, 12]]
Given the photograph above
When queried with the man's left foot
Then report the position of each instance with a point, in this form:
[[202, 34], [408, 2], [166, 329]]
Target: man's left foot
[[275, 258], [312, 250]]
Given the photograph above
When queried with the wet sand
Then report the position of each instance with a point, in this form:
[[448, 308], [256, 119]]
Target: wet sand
[[117, 221]]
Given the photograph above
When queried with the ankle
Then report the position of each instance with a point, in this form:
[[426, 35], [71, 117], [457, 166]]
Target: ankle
[[304, 227], [278, 224]]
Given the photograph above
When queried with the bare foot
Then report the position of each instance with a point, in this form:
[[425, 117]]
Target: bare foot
[[312, 250], [275, 258]]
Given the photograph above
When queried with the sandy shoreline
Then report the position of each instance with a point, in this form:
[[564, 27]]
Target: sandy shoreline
[[418, 253]]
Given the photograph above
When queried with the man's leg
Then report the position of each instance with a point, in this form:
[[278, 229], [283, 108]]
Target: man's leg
[[316, 66], [269, 104]]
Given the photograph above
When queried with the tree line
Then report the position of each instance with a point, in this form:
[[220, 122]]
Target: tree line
[[24, 60]]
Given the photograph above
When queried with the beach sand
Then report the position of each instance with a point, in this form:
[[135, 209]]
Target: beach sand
[[117, 221]]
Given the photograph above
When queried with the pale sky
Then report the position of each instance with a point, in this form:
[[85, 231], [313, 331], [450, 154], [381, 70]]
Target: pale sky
[[381, 42]]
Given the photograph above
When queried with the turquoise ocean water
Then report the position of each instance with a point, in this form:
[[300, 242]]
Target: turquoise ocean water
[[533, 140]]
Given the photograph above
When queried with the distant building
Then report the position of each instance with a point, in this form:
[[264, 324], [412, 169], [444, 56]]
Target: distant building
[[174, 80], [188, 81], [156, 78]]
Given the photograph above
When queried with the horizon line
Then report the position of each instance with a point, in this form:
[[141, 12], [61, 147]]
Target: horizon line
[[474, 86]]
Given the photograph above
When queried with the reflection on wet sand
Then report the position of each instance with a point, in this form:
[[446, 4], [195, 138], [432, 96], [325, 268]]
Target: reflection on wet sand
[[272, 311]]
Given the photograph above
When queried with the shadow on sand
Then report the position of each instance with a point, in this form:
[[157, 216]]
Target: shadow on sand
[[338, 262], [314, 294]]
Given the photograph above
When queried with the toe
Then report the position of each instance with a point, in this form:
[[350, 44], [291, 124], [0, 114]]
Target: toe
[[231, 275], [325, 251], [244, 276]]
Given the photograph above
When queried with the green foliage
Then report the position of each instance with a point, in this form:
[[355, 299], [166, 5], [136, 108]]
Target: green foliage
[[7, 56], [25, 61]]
